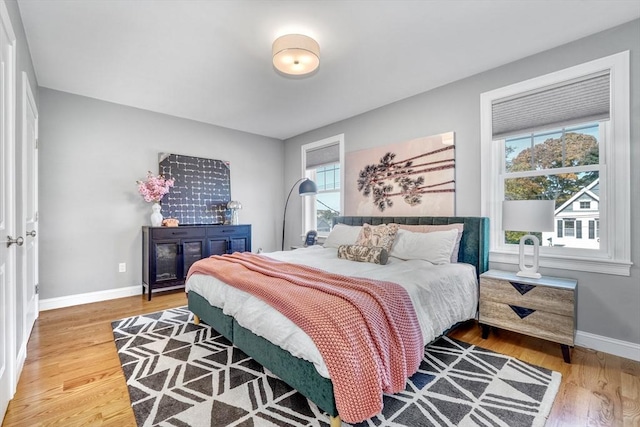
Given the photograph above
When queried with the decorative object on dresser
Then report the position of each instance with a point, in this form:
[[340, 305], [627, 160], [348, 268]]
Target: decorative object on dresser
[[234, 206], [168, 252], [528, 215], [153, 190], [543, 308], [306, 188]]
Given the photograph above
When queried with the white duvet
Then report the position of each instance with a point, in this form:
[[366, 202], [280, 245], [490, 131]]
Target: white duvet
[[441, 294]]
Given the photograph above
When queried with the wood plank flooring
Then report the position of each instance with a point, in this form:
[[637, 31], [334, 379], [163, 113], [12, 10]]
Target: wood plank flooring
[[72, 375]]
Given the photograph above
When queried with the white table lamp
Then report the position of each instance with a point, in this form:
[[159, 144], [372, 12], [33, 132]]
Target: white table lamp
[[528, 215]]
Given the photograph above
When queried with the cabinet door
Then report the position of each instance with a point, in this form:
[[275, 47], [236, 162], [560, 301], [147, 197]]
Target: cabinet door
[[192, 251], [166, 256], [218, 245], [238, 244]]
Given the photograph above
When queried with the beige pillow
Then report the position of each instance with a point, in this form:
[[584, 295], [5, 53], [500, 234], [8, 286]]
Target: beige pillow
[[378, 235], [342, 234], [374, 254], [434, 247], [432, 228]]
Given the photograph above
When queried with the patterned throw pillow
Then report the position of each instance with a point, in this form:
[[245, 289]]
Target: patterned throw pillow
[[378, 235], [374, 254]]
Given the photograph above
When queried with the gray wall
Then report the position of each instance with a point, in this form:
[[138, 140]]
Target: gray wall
[[23, 64], [607, 305], [91, 154]]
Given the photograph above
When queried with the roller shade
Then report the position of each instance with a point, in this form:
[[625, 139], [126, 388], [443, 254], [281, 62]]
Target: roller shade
[[575, 101], [325, 155]]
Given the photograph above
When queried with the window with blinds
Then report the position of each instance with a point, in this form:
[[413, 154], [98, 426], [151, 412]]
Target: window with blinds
[[563, 137], [581, 100], [322, 163]]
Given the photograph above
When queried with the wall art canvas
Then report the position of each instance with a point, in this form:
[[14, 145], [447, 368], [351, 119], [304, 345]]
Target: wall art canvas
[[411, 178], [201, 191]]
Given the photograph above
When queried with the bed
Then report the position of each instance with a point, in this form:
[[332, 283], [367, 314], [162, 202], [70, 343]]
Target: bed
[[305, 373]]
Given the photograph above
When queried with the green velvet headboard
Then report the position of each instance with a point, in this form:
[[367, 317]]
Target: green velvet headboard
[[474, 246]]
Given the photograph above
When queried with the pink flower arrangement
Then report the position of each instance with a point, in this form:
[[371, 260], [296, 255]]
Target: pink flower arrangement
[[154, 188]]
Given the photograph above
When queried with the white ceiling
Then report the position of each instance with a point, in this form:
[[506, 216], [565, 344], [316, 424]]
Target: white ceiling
[[211, 60]]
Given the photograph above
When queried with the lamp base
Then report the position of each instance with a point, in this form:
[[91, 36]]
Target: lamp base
[[528, 274], [530, 271]]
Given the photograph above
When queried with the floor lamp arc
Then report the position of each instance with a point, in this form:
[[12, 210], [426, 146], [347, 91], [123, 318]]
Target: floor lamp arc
[[306, 188]]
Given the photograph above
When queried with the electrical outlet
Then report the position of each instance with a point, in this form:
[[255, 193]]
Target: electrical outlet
[[122, 267]]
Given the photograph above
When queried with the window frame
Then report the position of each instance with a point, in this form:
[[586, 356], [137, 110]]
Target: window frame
[[614, 256], [308, 204]]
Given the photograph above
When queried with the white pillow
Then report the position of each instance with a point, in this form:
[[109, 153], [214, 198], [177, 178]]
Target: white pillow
[[342, 234], [435, 247]]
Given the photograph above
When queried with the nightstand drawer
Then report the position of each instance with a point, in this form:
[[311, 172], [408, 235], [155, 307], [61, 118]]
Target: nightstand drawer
[[537, 297], [537, 323]]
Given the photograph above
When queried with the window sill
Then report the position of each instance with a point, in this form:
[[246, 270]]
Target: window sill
[[592, 265]]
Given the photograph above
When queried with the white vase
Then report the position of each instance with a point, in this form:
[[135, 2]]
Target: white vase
[[156, 216]]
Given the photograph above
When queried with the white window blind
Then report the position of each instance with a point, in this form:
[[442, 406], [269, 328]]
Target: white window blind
[[574, 101], [321, 156]]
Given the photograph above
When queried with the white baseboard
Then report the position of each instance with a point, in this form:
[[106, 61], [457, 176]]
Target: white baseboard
[[68, 301], [620, 348]]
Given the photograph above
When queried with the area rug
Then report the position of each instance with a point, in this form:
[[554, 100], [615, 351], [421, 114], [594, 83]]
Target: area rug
[[181, 374]]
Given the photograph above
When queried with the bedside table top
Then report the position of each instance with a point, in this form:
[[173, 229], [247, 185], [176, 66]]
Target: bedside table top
[[556, 282]]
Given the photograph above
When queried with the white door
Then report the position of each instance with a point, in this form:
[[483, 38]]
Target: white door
[[28, 213], [7, 210]]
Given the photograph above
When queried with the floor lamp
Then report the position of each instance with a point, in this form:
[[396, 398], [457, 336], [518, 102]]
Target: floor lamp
[[306, 188]]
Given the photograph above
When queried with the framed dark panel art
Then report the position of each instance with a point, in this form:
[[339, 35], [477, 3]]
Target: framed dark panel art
[[411, 178], [201, 190]]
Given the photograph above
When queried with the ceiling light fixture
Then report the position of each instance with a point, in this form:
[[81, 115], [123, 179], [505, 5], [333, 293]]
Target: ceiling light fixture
[[296, 54]]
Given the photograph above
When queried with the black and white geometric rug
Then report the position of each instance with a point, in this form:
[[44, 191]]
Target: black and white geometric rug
[[181, 374]]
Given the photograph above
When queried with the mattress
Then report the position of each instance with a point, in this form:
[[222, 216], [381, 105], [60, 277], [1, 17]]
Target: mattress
[[442, 295]]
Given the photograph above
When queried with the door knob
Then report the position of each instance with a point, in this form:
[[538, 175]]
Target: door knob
[[31, 233], [18, 241]]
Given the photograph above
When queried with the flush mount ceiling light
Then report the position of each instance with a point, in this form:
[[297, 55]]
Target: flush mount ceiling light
[[296, 54]]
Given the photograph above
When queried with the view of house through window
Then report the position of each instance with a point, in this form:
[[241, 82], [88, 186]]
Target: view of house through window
[[561, 165]]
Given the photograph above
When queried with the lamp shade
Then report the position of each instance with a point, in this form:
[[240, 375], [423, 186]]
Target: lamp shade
[[296, 54], [307, 188], [528, 215], [234, 205]]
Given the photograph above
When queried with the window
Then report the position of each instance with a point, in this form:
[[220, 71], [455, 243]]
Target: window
[[561, 165], [569, 227], [327, 203], [322, 162], [563, 137]]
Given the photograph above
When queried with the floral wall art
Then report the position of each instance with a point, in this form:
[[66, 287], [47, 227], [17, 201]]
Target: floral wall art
[[411, 178]]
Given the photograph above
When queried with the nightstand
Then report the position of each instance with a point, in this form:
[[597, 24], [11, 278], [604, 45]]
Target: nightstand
[[543, 308]]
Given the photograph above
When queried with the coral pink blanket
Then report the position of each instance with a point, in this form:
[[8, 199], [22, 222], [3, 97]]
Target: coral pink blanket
[[366, 331]]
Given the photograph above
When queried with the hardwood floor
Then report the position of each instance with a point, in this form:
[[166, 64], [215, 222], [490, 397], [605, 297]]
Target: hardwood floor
[[72, 375]]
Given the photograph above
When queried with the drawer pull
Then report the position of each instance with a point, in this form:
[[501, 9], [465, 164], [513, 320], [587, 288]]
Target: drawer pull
[[521, 311], [179, 233], [522, 288]]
